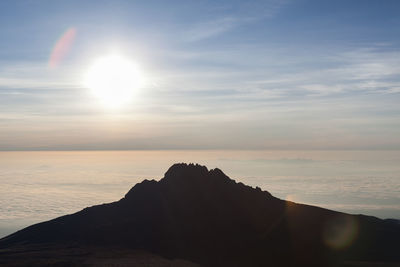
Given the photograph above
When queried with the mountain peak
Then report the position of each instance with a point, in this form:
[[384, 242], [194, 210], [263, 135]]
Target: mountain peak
[[193, 173], [183, 169], [204, 216], [182, 177]]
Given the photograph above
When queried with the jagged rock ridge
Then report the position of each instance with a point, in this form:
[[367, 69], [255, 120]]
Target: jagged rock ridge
[[204, 216]]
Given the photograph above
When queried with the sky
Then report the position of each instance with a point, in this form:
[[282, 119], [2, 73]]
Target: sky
[[290, 74]]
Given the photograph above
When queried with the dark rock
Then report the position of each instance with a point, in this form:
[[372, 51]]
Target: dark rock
[[203, 216]]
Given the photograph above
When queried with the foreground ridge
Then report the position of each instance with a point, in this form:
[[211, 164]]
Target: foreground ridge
[[205, 217]]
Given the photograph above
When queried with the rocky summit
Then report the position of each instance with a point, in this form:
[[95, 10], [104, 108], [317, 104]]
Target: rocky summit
[[201, 216]]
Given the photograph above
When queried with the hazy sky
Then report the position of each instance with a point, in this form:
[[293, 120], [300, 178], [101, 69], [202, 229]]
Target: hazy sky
[[219, 74]]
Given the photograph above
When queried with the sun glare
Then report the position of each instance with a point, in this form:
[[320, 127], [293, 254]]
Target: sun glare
[[114, 80]]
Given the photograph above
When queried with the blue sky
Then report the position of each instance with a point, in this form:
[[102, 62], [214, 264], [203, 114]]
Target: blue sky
[[220, 75]]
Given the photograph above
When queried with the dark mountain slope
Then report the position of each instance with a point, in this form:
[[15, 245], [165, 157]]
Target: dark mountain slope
[[206, 217]]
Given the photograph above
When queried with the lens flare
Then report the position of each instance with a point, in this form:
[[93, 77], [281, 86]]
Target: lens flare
[[340, 232], [62, 47]]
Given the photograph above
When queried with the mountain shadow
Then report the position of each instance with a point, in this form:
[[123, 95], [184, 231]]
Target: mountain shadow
[[204, 217]]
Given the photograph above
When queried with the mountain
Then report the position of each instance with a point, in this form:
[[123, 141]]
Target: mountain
[[205, 217]]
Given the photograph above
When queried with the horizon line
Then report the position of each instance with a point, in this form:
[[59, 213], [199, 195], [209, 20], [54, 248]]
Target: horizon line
[[201, 149]]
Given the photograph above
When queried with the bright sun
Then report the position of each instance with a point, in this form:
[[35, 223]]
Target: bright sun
[[114, 80]]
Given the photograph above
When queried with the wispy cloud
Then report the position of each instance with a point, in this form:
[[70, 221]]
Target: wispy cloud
[[209, 29], [362, 71], [237, 14], [35, 75]]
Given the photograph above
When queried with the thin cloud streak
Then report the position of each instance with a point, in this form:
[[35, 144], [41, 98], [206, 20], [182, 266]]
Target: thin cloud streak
[[250, 12], [34, 75], [210, 29]]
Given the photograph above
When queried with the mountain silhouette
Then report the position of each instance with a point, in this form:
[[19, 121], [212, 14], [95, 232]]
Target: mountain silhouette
[[205, 217]]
